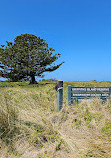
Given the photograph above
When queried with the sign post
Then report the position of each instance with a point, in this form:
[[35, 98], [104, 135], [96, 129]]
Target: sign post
[[59, 89], [69, 95]]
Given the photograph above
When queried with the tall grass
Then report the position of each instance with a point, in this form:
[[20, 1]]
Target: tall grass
[[31, 127], [8, 116]]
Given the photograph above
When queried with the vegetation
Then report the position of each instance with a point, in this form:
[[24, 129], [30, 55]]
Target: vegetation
[[31, 127], [27, 57]]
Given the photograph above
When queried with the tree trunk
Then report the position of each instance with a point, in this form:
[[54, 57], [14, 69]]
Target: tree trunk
[[32, 79]]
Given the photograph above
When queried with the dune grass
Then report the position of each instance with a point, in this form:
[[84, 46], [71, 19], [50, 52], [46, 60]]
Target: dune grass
[[31, 127]]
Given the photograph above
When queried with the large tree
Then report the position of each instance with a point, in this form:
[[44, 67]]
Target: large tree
[[28, 56]]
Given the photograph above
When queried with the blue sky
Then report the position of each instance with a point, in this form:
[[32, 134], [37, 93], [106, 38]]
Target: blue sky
[[78, 29]]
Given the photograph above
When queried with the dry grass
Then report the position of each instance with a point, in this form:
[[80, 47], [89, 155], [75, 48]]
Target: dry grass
[[30, 127]]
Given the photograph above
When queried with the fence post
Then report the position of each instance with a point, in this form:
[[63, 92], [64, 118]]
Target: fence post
[[59, 88], [69, 95]]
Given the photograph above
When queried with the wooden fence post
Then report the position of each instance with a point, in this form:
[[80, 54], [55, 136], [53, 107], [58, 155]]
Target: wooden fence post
[[69, 95]]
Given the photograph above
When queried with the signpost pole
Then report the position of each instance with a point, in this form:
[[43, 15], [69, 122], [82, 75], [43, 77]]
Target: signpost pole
[[110, 96], [69, 95], [59, 88]]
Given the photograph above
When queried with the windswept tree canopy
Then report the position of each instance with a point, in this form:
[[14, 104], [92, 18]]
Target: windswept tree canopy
[[27, 57]]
